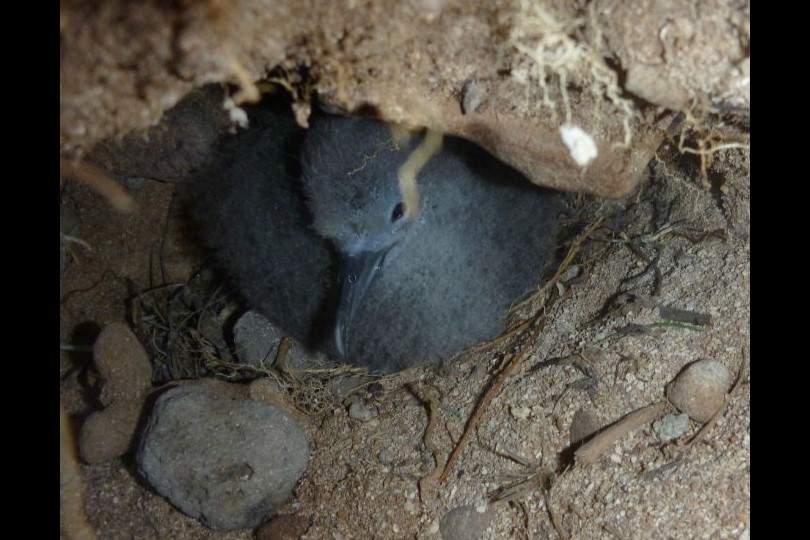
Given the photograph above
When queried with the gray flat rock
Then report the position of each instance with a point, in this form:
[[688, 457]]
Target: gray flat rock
[[229, 463], [257, 341], [465, 522]]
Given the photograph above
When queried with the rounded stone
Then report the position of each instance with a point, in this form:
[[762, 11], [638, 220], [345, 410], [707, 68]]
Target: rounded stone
[[229, 463], [362, 412], [122, 363], [700, 389], [257, 342], [107, 434]]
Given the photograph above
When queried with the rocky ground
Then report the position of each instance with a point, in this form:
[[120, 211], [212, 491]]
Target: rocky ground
[[489, 444], [660, 282]]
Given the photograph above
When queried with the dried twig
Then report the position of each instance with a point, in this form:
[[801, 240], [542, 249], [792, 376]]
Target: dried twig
[[589, 452], [488, 397], [554, 516], [101, 182], [428, 483], [576, 245]]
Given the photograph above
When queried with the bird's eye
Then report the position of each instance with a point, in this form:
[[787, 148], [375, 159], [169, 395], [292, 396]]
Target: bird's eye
[[399, 211]]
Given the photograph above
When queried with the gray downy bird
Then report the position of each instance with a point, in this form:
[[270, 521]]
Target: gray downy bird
[[248, 209], [420, 284]]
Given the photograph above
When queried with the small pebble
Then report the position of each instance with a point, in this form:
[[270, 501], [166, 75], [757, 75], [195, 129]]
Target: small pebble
[[521, 413], [700, 389], [474, 96], [584, 424], [671, 426], [362, 412], [257, 344], [386, 457], [572, 272], [464, 523]]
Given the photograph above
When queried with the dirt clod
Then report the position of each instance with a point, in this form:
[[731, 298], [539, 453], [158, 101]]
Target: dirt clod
[[127, 374]]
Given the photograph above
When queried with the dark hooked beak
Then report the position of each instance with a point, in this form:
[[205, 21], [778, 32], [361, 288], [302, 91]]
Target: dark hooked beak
[[358, 272]]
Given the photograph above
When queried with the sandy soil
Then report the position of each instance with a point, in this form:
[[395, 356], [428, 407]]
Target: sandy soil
[[676, 245]]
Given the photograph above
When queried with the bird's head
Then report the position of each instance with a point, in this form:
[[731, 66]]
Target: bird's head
[[349, 173], [350, 178]]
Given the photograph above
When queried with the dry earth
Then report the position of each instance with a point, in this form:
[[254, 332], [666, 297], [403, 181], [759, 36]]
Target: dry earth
[[364, 478], [621, 324]]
